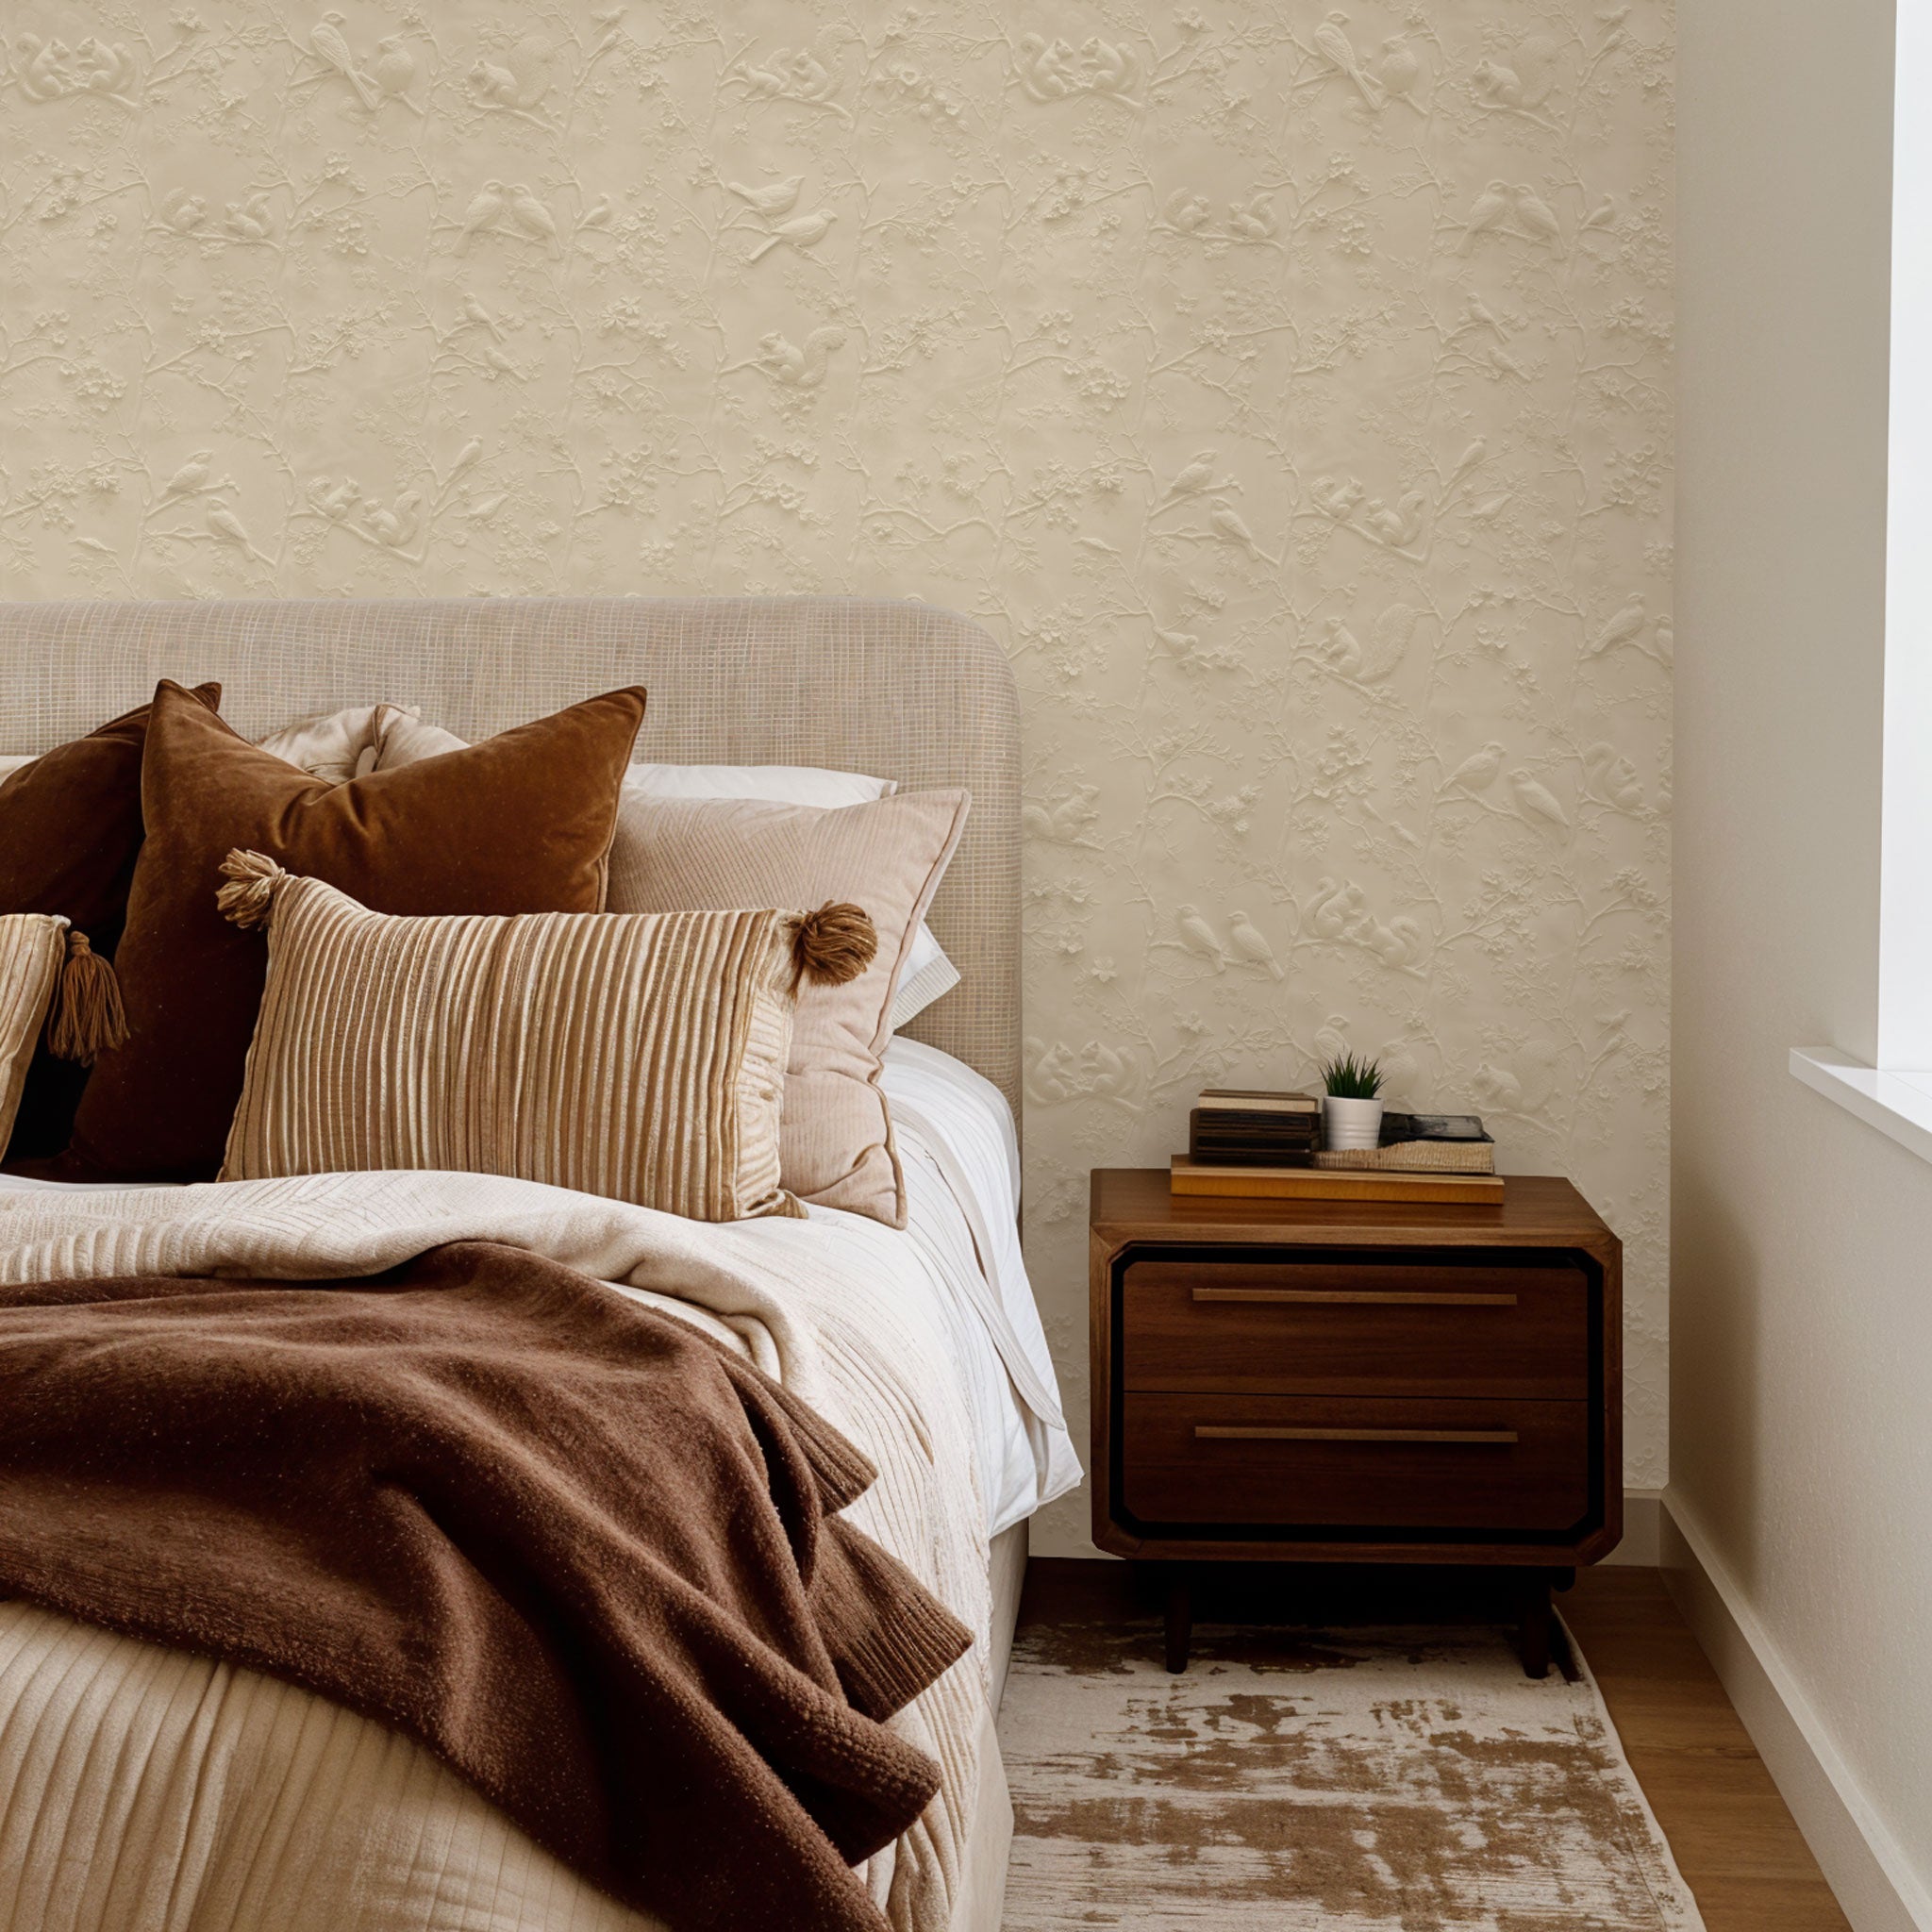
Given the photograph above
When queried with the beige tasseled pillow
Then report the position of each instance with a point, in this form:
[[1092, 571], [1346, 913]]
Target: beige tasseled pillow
[[637, 1056], [888, 857], [32, 946]]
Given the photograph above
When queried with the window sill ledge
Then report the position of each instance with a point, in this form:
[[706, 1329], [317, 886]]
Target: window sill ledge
[[1899, 1105]]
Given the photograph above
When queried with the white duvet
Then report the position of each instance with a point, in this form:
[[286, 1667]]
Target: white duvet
[[147, 1790]]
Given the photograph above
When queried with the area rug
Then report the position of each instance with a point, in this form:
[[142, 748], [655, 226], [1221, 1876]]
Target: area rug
[[1366, 1780]]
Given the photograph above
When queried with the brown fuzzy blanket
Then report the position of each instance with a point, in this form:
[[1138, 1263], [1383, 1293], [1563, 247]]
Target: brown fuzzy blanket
[[584, 1555]]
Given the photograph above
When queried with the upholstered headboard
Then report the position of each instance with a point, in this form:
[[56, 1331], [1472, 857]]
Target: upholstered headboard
[[899, 690]]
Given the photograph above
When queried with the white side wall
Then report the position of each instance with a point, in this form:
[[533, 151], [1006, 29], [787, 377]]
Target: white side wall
[[1801, 1240]]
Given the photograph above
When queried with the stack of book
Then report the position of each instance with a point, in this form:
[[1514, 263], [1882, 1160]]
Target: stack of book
[[1267, 1146], [1231, 1126]]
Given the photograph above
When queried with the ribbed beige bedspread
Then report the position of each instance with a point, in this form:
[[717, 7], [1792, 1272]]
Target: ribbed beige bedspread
[[144, 1791]]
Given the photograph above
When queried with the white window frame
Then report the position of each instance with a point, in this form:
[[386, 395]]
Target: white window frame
[[1904, 904], [1897, 1095]]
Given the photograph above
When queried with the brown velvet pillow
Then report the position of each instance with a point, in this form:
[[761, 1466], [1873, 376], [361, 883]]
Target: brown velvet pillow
[[522, 823], [70, 832]]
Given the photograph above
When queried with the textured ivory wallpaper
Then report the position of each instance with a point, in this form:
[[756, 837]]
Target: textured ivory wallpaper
[[1289, 389]]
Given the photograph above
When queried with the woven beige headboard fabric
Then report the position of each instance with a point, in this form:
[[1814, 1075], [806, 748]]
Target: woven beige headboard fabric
[[900, 690]]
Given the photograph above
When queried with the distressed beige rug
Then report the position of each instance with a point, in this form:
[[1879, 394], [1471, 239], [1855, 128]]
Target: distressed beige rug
[[1389, 1780]]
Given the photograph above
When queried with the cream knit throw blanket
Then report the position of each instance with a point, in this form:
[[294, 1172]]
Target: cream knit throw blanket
[[208, 1796]]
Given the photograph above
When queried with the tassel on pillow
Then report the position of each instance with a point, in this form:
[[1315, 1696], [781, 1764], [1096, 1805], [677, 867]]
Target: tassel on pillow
[[86, 1018], [832, 945], [249, 897]]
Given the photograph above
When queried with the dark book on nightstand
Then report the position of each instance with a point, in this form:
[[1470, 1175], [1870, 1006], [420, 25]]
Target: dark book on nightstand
[[1432, 1127], [1226, 1133]]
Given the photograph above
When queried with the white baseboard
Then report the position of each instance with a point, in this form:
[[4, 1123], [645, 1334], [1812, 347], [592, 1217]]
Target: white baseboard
[[1642, 1525], [1861, 1861]]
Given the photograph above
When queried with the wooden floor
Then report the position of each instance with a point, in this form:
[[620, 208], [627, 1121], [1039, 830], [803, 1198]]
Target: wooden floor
[[1735, 1843], [1734, 1840]]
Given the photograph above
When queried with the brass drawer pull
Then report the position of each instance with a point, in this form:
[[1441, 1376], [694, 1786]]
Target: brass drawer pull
[[1399, 1298], [1235, 1432]]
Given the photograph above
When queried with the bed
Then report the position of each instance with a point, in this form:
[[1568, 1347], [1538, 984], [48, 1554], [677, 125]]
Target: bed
[[141, 1786]]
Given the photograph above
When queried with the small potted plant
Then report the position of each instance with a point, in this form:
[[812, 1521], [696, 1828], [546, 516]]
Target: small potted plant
[[1351, 1104]]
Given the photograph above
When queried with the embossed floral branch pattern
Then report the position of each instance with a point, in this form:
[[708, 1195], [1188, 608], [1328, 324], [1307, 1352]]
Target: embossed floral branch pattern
[[1289, 388]]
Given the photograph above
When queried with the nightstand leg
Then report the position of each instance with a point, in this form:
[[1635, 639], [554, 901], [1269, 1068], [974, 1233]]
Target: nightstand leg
[[1180, 1621], [1536, 1628]]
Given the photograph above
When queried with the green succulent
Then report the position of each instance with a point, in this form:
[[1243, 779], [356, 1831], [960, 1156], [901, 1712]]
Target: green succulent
[[1348, 1078]]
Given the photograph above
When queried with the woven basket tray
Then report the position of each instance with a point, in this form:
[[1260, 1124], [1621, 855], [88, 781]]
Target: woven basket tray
[[1413, 1156]]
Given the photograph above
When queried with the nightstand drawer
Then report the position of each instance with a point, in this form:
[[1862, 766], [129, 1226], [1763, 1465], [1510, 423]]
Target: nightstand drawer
[[1291, 1461], [1394, 1327]]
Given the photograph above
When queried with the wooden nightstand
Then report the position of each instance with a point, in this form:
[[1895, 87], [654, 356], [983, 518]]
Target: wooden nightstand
[[1327, 1382]]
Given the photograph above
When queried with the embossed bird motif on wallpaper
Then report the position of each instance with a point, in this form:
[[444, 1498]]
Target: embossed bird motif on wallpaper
[[1287, 388]]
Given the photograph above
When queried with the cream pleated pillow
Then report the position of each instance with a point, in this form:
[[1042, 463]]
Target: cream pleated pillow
[[33, 947], [637, 1056]]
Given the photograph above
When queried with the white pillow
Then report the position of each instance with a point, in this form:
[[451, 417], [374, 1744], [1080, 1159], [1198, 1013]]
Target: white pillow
[[378, 738], [771, 784], [927, 975]]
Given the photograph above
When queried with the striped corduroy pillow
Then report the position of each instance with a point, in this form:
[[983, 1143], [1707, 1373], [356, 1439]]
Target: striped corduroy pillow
[[636, 1056], [32, 945]]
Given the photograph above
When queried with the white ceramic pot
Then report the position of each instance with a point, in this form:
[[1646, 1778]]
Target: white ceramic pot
[[1350, 1123]]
